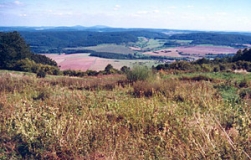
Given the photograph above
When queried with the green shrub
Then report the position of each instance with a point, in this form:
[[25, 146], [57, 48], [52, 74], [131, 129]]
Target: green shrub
[[26, 65], [125, 69], [91, 73], [41, 74], [138, 73], [109, 69], [244, 83], [181, 65], [245, 93]]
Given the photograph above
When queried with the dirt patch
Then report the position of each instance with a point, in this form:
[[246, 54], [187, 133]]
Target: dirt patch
[[241, 71], [203, 50], [73, 61], [85, 62], [198, 51], [248, 45], [135, 48]]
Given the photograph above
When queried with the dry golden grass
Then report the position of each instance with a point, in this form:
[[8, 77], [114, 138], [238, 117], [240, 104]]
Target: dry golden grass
[[61, 118]]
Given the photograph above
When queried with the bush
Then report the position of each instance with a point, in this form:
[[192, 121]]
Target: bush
[[138, 73], [244, 83], [91, 73], [41, 74], [245, 93], [26, 65], [109, 69], [125, 69]]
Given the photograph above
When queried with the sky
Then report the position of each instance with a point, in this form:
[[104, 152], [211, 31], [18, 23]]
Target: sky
[[212, 15]]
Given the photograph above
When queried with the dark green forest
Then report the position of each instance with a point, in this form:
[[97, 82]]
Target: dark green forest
[[132, 56], [15, 54], [233, 40], [55, 41]]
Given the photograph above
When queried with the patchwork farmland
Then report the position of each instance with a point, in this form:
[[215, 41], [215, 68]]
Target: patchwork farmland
[[83, 61]]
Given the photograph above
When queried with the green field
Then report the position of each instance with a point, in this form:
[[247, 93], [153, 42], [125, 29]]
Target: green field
[[131, 63], [143, 43], [149, 44], [112, 48]]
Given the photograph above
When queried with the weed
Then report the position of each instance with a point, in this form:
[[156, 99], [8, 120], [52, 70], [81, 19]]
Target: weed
[[244, 83], [44, 94]]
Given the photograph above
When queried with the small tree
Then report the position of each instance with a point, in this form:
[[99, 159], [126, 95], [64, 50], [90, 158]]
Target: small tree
[[125, 69], [108, 69]]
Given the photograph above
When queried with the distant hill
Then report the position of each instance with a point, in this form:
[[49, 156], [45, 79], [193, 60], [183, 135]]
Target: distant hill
[[216, 38], [97, 28], [55, 39]]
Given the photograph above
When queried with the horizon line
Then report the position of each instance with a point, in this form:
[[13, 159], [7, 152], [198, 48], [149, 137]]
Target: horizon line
[[105, 26]]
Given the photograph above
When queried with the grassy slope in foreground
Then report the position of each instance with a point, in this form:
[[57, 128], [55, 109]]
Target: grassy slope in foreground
[[63, 118]]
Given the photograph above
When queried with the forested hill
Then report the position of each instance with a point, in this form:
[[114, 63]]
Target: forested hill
[[54, 41], [214, 38]]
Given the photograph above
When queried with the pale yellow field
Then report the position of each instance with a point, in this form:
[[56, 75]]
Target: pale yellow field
[[85, 62]]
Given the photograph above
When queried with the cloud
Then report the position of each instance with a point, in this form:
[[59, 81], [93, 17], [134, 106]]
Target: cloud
[[156, 11], [221, 14], [147, 12], [22, 15], [116, 7], [17, 3], [189, 6], [11, 5], [59, 13], [142, 12], [172, 7]]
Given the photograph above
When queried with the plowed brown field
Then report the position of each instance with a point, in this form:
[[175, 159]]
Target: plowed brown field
[[193, 50]]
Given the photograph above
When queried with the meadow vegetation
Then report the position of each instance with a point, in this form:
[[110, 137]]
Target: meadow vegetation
[[159, 116]]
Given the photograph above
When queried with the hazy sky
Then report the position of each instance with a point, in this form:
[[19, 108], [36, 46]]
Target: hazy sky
[[226, 15]]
